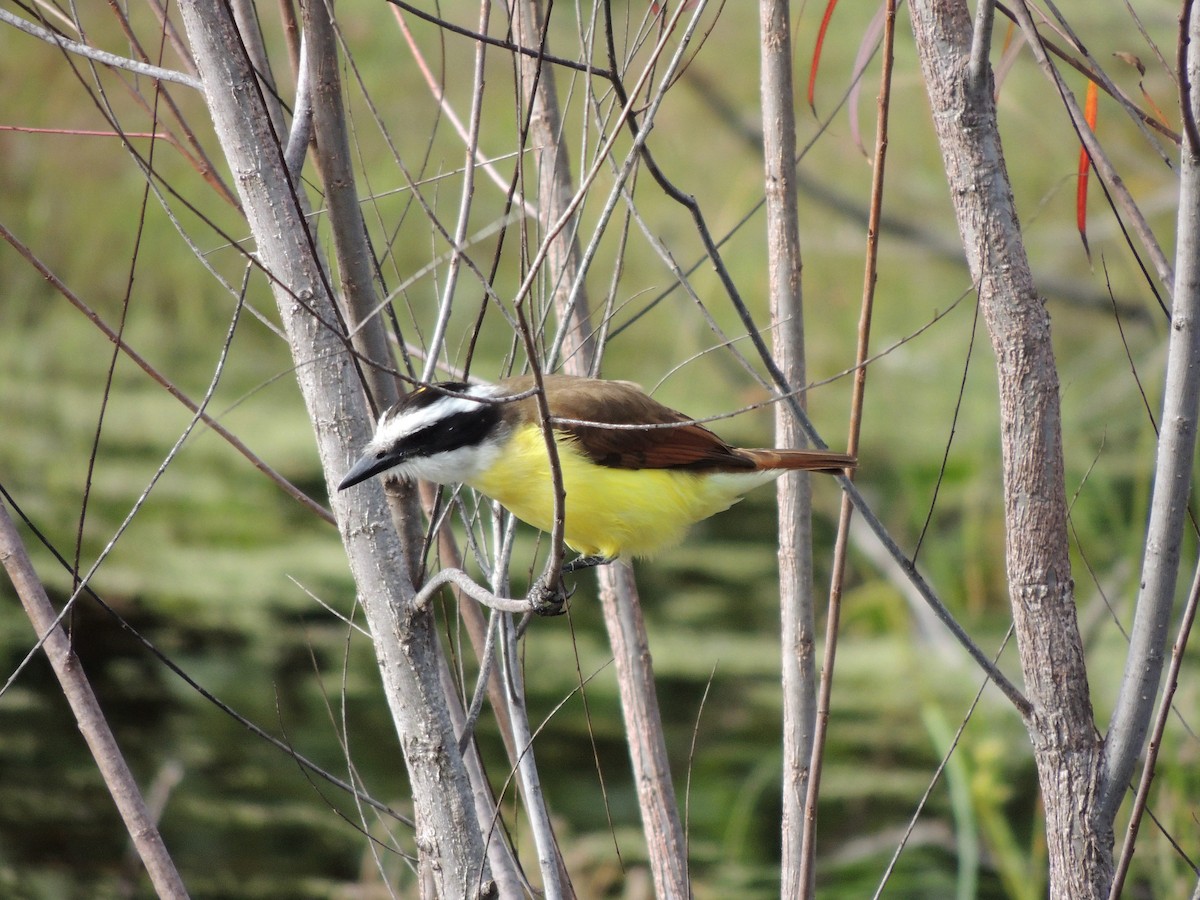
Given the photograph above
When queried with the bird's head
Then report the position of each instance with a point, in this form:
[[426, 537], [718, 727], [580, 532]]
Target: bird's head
[[445, 432]]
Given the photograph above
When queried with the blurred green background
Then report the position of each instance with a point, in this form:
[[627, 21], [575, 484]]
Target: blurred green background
[[219, 569]]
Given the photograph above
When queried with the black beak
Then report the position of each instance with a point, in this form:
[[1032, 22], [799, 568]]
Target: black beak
[[369, 465]]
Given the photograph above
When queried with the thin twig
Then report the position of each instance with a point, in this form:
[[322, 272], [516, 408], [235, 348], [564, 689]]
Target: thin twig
[[935, 778], [465, 199], [549, 860], [487, 658], [302, 115], [101, 56], [1172, 482], [1156, 735], [117, 777], [794, 553], [1143, 118], [496, 42], [1110, 179], [436, 91], [981, 41], [232, 439], [472, 589], [858, 397]]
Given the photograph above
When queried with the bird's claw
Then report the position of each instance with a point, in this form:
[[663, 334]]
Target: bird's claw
[[549, 601]]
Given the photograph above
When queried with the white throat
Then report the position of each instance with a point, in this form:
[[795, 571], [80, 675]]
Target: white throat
[[449, 466]]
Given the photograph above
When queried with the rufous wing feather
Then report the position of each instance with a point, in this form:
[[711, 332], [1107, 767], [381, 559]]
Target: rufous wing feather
[[677, 442], [809, 460]]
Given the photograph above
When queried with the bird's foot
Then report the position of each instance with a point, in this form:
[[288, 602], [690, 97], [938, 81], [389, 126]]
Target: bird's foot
[[585, 562], [549, 601]]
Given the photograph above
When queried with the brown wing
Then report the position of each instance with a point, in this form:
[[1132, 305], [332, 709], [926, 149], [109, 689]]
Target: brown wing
[[810, 460], [688, 445]]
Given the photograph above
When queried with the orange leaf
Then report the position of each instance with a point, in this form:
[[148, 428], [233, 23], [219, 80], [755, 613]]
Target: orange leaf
[[816, 62], [1090, 110]]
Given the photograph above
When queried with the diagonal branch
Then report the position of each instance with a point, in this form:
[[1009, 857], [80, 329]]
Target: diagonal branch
[[453, 856], [101, 56], [1112, 181], [92, 724]]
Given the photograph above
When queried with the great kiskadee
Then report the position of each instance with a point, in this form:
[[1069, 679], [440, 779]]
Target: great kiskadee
[[630, 491]]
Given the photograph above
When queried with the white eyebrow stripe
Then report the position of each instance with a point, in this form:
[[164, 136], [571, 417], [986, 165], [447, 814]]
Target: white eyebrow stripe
[[393, 429]]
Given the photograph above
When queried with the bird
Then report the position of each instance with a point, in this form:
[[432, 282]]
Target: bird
[[630, 491]]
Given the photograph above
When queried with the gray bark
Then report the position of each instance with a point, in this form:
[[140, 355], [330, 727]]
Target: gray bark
[[665, 841], [1172, 476], [141, 825], [1060, 723], [448, 838], [793, 491]]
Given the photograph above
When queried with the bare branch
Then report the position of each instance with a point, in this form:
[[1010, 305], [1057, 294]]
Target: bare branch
[[117, 777], [643, 729], [1172, 475], [453, 855], [101, 56], [1112, 181], [862, 353], [793, 491], [1160, 725], [981, 41], [555, 881], [472, 589], [466, 197]]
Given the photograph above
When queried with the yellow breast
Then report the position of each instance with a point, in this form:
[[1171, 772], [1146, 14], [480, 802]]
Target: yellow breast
[[609, 512]]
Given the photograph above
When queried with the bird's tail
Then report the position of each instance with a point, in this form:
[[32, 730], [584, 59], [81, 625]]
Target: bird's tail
[[811, 460]]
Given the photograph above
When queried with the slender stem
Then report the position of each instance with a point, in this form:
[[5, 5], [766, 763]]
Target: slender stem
[[464, 202], [1112, 182], [351, 246], [100, 56], [981, 41], [793, 491], [549, 860], [482, 160], [117, 777], [1156, 736], [302, 115], [482, 38], [842, 543], [663, 827], [475, 591], [551, 163], [1172, 477]]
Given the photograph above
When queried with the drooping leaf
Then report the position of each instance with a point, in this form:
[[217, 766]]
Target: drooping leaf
[[866, 49], [1090, 110], [816, 60], [1133, 60]]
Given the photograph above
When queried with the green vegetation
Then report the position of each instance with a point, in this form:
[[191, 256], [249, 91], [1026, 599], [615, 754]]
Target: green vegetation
[[217, 568]]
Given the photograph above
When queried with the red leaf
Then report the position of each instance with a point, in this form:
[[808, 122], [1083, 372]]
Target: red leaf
[[1090, 109], [816, 61]]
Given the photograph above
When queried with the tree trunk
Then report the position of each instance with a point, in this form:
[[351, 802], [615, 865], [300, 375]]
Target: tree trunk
[[448, 838], [1061, 727]]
